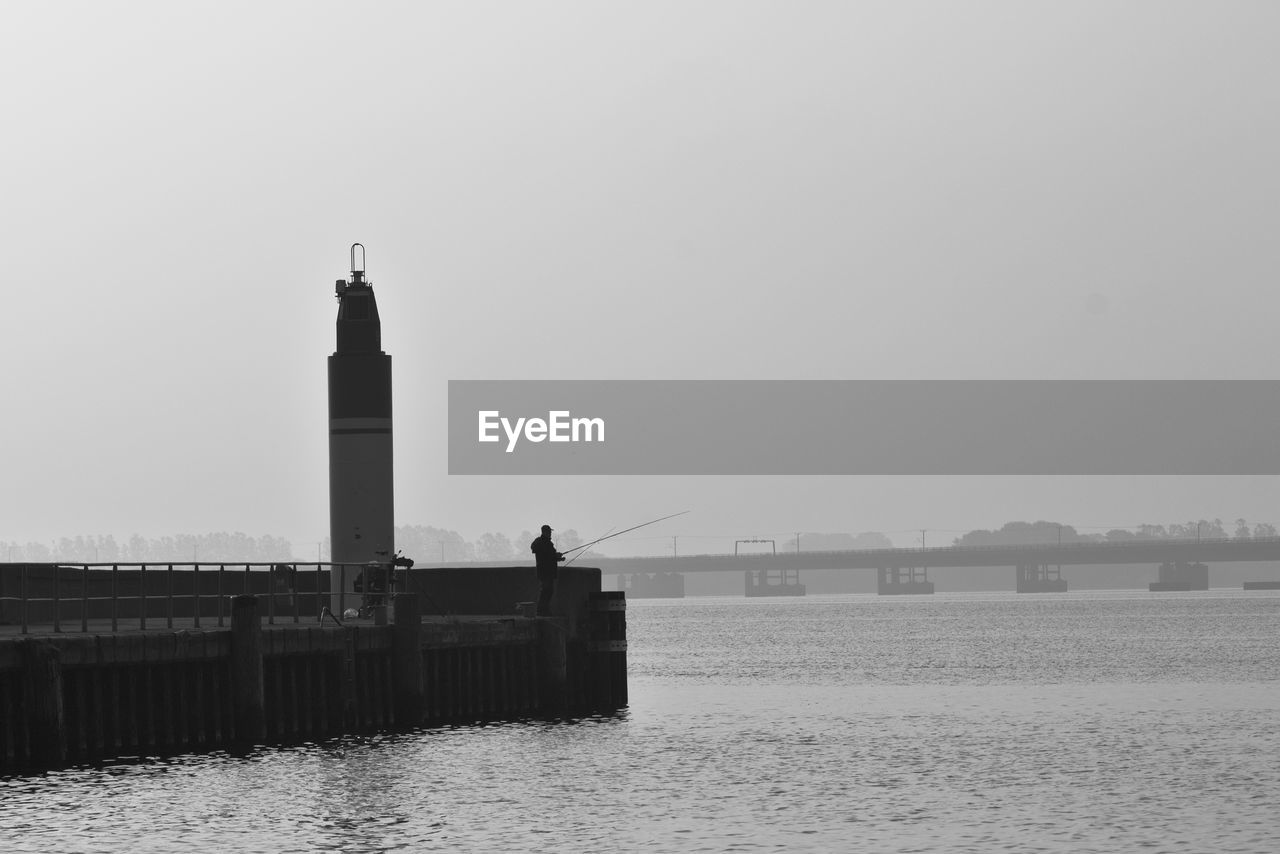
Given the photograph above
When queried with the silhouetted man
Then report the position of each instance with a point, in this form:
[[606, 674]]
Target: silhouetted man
[[548, 558]]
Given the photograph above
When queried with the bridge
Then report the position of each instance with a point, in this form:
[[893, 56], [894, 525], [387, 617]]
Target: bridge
[[1183, 564]]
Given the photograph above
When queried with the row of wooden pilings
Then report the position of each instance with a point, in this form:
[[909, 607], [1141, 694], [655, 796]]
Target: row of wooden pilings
[[80, 698]]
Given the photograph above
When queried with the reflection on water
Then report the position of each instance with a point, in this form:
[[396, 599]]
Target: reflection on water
[[1077, 722]]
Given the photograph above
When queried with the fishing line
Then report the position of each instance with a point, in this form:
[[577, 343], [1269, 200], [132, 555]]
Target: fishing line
[[624, 531]]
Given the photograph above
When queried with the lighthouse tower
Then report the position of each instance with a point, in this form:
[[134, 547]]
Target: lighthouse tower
[[361, 498]]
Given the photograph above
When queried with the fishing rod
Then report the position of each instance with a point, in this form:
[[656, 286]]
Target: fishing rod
[[624, 531], [575, 557]]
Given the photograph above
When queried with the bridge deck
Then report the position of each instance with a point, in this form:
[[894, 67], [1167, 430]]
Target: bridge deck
[[1068, 554]]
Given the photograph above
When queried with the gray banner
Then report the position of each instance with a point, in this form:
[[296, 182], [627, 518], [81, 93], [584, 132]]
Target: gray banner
[[808, 427]]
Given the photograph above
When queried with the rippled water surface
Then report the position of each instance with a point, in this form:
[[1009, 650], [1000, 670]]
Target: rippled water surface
[[1071, 722]]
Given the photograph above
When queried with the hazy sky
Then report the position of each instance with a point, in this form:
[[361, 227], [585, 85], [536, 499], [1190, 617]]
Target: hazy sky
[[736, 190]]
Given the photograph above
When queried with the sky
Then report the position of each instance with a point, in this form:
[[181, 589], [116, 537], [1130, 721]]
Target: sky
[[713, 190]]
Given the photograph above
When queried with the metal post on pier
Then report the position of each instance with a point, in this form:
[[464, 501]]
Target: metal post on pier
[[271, 595], [342, 589], [22, 584], [84, 599], [293, 593], [57, 601]]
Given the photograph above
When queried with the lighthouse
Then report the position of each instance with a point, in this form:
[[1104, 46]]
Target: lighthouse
[[361, 498]]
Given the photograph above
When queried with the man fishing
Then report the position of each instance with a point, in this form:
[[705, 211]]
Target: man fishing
[[548, 558]]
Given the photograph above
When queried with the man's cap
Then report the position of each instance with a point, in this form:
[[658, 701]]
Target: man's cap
[[547, 528]]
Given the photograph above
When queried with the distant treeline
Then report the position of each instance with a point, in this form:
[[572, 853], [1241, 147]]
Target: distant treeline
[[428, 544], [213, 548], [423, 543], [812, 542], [1031, 533]]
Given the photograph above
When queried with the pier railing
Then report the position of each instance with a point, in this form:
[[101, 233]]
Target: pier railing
[[94, 596]]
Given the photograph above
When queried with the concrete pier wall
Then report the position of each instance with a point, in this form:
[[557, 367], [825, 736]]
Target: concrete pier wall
[[1179, 575], [76, 697]]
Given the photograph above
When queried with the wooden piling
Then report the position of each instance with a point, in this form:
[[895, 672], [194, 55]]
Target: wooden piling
[[607, 650], [309, 699], [150, 723], [130, 713], [8, 720], [201, 721], [324, 694], [79, 694], [273, 687], [42, 691], [406, 653], [294, 700], [248, 694], [553, 674], [115, 675], [99, 704], [346, 687]]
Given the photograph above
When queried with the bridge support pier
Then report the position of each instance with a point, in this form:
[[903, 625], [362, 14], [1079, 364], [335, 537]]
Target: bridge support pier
[[1039, 578], [893, 580], [1181, 575], [772, 582], [659, 585]]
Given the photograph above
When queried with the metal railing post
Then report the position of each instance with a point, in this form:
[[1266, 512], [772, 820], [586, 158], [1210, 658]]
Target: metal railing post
[[195, 591], [222, 570], [319, 601], [57, 601], [115, 597], [169, 594], [142, 589], [23, 587], [84, 601]]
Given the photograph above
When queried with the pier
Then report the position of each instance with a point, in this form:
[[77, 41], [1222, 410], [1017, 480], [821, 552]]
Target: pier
[[1181, 575], [659, 585], [1039, 578], [107, 662], [899, 580], [772, 582]]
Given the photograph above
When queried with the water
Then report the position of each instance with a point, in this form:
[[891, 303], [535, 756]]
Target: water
[[969, 722]]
